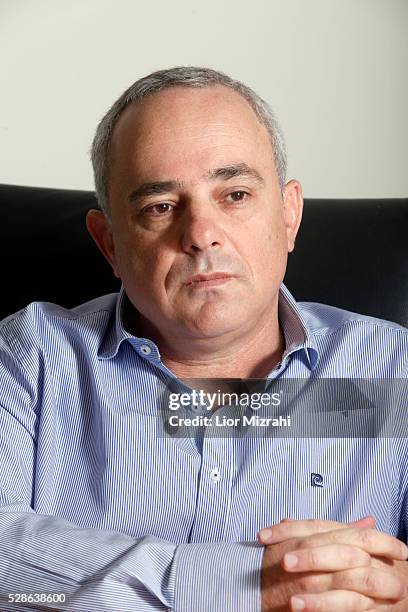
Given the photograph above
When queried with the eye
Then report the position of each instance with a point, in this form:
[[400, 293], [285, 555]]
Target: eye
[[237, 196], [158, 209]]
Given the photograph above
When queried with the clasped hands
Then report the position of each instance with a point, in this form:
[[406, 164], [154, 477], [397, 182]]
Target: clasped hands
[[325, 566]]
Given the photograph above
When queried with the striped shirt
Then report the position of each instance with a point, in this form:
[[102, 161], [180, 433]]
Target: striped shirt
[[99, 505]]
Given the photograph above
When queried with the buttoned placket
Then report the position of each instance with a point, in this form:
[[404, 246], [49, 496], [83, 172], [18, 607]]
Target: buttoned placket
[[214, 489]]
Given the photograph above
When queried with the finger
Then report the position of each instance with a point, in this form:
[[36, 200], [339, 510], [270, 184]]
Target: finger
[[289, 529], [331, 558], [335, 601], [373, 542], [286, 530], [366, 521], [376, 583]]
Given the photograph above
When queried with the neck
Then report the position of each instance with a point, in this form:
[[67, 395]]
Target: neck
[[234, 366], [250, 357], [250, 353]]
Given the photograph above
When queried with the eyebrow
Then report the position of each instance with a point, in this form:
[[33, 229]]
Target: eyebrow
[[235, 171], [240, 170], [156, 187]]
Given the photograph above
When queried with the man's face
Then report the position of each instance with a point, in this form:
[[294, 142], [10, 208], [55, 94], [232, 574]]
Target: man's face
[[199, 230]]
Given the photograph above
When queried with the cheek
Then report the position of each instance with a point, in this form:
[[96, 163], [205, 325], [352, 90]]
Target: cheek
[[145, 269], [271, 253], [277, 236]]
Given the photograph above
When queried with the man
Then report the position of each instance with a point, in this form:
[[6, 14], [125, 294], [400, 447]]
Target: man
[[98, 506]]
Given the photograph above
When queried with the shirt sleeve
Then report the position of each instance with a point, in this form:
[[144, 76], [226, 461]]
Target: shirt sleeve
[[88, 569], [103, 571]]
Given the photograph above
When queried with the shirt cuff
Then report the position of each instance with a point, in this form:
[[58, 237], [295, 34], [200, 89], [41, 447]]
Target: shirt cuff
[[218, 576]]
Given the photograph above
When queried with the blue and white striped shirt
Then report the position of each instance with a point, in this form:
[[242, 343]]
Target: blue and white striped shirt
[[96, 504]]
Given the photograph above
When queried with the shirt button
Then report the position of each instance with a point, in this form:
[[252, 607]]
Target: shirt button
[[146, 350], [215, 475], [198, 407]]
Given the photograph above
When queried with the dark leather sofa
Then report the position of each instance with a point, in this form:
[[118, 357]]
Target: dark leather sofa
[[349, 253]]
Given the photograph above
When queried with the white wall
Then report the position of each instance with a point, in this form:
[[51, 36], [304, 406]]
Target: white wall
[[334, 70]]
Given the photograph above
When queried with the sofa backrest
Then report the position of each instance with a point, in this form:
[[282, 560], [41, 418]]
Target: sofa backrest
[[349, 253]]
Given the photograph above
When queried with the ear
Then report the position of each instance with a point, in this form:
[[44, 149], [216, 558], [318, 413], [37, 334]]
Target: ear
[[292, 210], [100, 229]]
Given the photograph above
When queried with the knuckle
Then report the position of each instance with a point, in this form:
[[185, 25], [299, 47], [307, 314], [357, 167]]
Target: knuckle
[[370, 582], [361, 580], [313, 558], [351, 557], [366, 538]]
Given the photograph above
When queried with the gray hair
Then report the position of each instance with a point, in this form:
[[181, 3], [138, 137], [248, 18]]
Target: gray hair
[[180, 76]]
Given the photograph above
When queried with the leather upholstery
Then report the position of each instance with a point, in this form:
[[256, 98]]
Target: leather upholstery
[[349, 253]]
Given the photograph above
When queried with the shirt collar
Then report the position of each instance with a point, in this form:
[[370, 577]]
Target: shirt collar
[[116, 332], [297, 335]]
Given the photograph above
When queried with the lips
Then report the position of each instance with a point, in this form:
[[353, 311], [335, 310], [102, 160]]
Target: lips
[[207, 278]]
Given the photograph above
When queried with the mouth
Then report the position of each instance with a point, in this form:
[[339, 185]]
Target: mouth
[[203, 281]]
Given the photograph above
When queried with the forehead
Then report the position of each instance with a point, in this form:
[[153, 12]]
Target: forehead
[[182, 123]]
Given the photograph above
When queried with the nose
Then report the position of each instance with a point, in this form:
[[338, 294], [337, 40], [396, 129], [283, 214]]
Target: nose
[[202, 230]]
